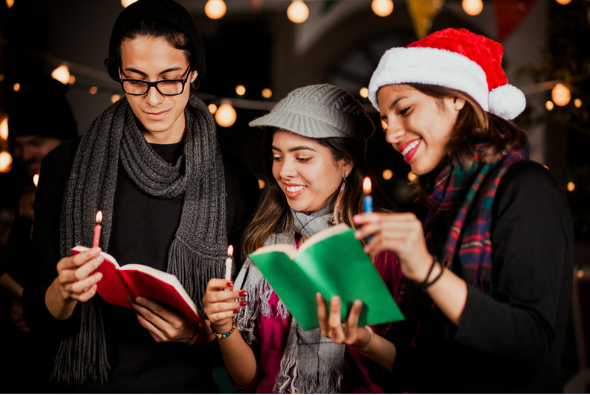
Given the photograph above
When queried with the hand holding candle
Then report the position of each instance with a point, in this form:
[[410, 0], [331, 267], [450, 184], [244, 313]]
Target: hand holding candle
[[97, 229], [228, 262]]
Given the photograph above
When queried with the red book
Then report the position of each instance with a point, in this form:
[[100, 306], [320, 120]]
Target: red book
[[140, 280]]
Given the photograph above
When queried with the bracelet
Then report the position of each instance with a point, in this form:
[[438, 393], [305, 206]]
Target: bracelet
[[425, 284], [226, 334]]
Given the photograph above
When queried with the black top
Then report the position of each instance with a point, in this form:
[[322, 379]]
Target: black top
[[143, 228], [512, 340]]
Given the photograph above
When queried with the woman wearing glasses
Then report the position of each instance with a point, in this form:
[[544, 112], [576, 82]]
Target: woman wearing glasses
[[170, 200]]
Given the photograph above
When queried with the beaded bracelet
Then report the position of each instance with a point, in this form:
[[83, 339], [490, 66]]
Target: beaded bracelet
[[226, 334]]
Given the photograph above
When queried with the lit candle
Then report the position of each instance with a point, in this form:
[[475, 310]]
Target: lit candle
[[97, 229], [228, 262], [368, 200]]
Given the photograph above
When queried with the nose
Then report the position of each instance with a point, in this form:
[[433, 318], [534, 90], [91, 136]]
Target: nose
[[395, 132], [287, 169], [153, 97]]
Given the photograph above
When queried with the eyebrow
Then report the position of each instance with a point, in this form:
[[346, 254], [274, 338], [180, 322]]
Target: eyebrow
[[393, 105], [298, 148], [133, 70]]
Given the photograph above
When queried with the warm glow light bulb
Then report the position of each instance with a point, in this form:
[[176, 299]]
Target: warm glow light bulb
[[549, 105], [225, 115], [561, 95], [580, 273], [472, 7], [215, 9], [9, 3], [4, 129], [563, 2], [266, 93], [212, 108], [383, 125], [387, 174], [115, 98], [240, 90], [62, 74], [297, 12], [127, 3], [261, 184], [571, 186], [412, 176], [93, 90], [382, 7], [16, 87], [578, 103], [364, 92], [5, 161]]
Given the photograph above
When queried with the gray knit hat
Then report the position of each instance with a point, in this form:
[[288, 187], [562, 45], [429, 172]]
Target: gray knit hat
[[320, 111]]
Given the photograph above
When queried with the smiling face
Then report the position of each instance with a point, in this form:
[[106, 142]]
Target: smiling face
[[419, 126], [306, 171], [154, 59]]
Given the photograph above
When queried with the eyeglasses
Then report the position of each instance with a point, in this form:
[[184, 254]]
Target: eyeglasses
[[170, 87]]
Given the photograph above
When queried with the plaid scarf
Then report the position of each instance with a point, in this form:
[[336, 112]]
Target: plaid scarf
[[463, 199]]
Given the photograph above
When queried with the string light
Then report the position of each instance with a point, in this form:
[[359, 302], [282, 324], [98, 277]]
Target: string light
[[578, 103], [62, 74], [387, 174], [412, 176], [115, 98], [16, 87], [563, 2], [9, 3], [72, 80], [297, 12], [561, 95], [4, 129], [215, 9], [580, 273], [571, 186], [549, 105], [5, 161], [240, 90], [383, 125], [225, 115], [266, 93], [382, 8], [261, 184], [93, 90], [212, 108], [127, 3], [472, 7], [364, 92]]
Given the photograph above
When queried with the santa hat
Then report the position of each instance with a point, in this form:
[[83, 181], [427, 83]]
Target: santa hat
[[457, 59]]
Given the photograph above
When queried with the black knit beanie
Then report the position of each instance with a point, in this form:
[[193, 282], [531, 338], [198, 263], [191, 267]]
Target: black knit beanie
[[168, 11], [39, 108]]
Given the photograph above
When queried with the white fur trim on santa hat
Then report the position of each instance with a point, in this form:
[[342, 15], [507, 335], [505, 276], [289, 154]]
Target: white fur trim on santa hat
[[507, 101], [432, 66]]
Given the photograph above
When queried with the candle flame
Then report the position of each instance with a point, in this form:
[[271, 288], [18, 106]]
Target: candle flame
[[230, 250], [36, 179], [99, 217], [367, 186]]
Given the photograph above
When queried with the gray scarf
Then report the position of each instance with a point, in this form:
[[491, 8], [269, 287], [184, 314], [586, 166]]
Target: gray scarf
[[311, 363], [199, 248]]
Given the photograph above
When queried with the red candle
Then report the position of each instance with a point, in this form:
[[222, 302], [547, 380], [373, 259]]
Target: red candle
[[97, 229]]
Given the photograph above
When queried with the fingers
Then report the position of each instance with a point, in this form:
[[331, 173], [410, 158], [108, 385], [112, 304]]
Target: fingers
[[75, 276], [322, 314], [221, 304], [163, 324], [336, 330]]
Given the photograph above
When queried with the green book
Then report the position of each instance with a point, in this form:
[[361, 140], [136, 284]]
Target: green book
[[331, 262]]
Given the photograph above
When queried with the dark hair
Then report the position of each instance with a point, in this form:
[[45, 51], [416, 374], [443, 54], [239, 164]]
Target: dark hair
[[474, 126], [273, 214]]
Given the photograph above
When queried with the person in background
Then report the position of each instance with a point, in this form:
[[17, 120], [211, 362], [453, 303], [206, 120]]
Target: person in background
[[314, 150], [489, 272], [30, 136], [170, 198]]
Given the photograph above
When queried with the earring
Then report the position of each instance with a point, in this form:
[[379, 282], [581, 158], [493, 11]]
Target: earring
[[333, 220], [342, 186]]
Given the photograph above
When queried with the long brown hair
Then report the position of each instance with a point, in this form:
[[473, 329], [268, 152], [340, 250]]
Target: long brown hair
[[273, 214], [474, 126]]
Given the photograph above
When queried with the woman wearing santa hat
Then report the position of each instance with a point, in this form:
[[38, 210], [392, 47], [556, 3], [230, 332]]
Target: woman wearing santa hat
[[489, 271]]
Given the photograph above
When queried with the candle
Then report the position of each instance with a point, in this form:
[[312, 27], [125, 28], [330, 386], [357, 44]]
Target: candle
[[228, 262], [97, 229], [368, 200]]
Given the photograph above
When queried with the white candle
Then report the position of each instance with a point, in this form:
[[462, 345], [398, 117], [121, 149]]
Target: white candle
[[228, 262]]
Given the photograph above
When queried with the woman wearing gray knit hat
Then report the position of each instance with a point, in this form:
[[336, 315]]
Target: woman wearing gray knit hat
[[170, 199], [314, 151]]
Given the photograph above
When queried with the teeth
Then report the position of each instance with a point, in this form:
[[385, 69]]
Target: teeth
[[295, 189], [410, 147]]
